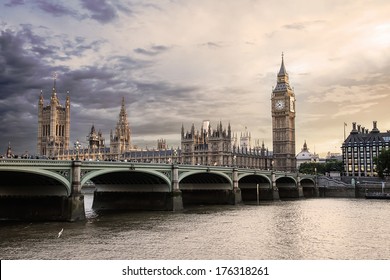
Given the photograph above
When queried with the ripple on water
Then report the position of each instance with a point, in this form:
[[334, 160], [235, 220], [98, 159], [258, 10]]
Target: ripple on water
[[301, 229]]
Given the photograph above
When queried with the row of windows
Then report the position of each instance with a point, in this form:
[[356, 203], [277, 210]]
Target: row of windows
[[368, 148], [60, 130], [361, 167]]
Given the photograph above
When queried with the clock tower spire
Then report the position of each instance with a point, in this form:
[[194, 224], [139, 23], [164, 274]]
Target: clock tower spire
[[283, 122]]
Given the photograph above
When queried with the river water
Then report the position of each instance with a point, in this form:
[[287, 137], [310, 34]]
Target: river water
[[306, 229]]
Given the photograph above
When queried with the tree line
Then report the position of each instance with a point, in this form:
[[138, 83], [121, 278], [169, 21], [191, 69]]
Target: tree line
[[382, 163]]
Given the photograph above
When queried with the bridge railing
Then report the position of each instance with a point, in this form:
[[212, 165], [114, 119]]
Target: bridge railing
[[10, 161]]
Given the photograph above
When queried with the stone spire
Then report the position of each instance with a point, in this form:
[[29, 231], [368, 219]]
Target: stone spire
[[9, 153], [282, 71], [54, 92], [304, 147], [121, 140], [123, 107], [282, 80]]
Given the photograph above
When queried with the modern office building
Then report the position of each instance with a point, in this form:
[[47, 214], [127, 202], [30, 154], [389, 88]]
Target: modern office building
[[361, 148]]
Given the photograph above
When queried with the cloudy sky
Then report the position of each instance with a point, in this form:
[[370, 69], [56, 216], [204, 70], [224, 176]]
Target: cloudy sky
[[181, 62]]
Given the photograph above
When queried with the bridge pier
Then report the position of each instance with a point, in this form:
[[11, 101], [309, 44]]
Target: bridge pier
[[236, 193], [75, 205], [275, 190], [177, 197], [299, 186]]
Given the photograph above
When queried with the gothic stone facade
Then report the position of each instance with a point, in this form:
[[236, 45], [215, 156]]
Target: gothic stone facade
[[120, 139], [283, 122], [53, 126], [215, 147]]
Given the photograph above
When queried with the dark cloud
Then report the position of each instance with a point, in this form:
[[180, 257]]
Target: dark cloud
[[13, 3], [154, 50], [26, 68], [101, 10], [56, 9], [27, 65]]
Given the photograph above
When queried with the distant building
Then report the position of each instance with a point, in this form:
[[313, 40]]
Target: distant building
[[120, 139], [283, 122], [215, 147], [95, 139], [9, 153], [161, 144], [53, 125], [306, 156], [333, 156], [361, 147]]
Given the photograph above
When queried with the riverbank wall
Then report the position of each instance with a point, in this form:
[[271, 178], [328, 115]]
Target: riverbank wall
[[357, 188]]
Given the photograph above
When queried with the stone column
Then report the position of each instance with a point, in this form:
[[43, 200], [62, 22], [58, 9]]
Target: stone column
[[177, 199], [76, 177], [316, 189], [300, 189], [75, 202], [275, 190], [236, 190]]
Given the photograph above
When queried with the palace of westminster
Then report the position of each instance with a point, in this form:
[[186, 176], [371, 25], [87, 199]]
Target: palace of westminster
[[208, 146]]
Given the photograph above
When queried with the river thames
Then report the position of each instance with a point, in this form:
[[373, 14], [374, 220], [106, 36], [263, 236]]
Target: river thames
[[306, 229]]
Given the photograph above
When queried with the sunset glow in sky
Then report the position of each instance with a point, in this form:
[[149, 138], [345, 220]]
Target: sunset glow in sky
[[182, 62]]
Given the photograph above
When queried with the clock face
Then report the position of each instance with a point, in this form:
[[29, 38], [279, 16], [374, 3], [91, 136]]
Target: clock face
[[279, 105]]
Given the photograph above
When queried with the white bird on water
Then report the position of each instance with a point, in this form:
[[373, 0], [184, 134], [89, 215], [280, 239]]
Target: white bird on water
[[60, 233]]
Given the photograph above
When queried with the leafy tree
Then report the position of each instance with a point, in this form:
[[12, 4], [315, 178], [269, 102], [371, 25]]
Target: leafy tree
[[383, 163], [311, 168], [334, 165], [320, 168]]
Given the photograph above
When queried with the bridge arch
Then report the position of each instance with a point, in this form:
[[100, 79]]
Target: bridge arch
[[248, 185], [199, 177], [128, 177], [129, 189], [33, 182], [287, 186], [206, 187], [308, 187]]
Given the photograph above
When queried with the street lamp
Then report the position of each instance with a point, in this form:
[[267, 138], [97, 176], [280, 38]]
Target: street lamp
[[77, 146]]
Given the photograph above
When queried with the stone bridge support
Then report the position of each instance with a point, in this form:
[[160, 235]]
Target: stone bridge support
[[177, 199], [75, 203], [236, 190], [299, 186], [275, 191]]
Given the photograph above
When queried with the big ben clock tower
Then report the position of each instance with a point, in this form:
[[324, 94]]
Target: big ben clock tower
[[283, 123]]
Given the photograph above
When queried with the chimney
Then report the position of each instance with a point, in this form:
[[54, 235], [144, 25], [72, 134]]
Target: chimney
[[354, 128], [358, 128], [374, 128]]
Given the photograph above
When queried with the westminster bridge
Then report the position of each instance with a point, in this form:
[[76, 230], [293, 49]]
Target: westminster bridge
[[52, 190]]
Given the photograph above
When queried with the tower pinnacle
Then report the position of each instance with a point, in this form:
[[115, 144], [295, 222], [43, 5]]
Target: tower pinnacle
[[54, 92], [282, 71]]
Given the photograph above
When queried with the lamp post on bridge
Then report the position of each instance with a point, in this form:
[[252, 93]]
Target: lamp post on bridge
[[77, 146], [274, 189]]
